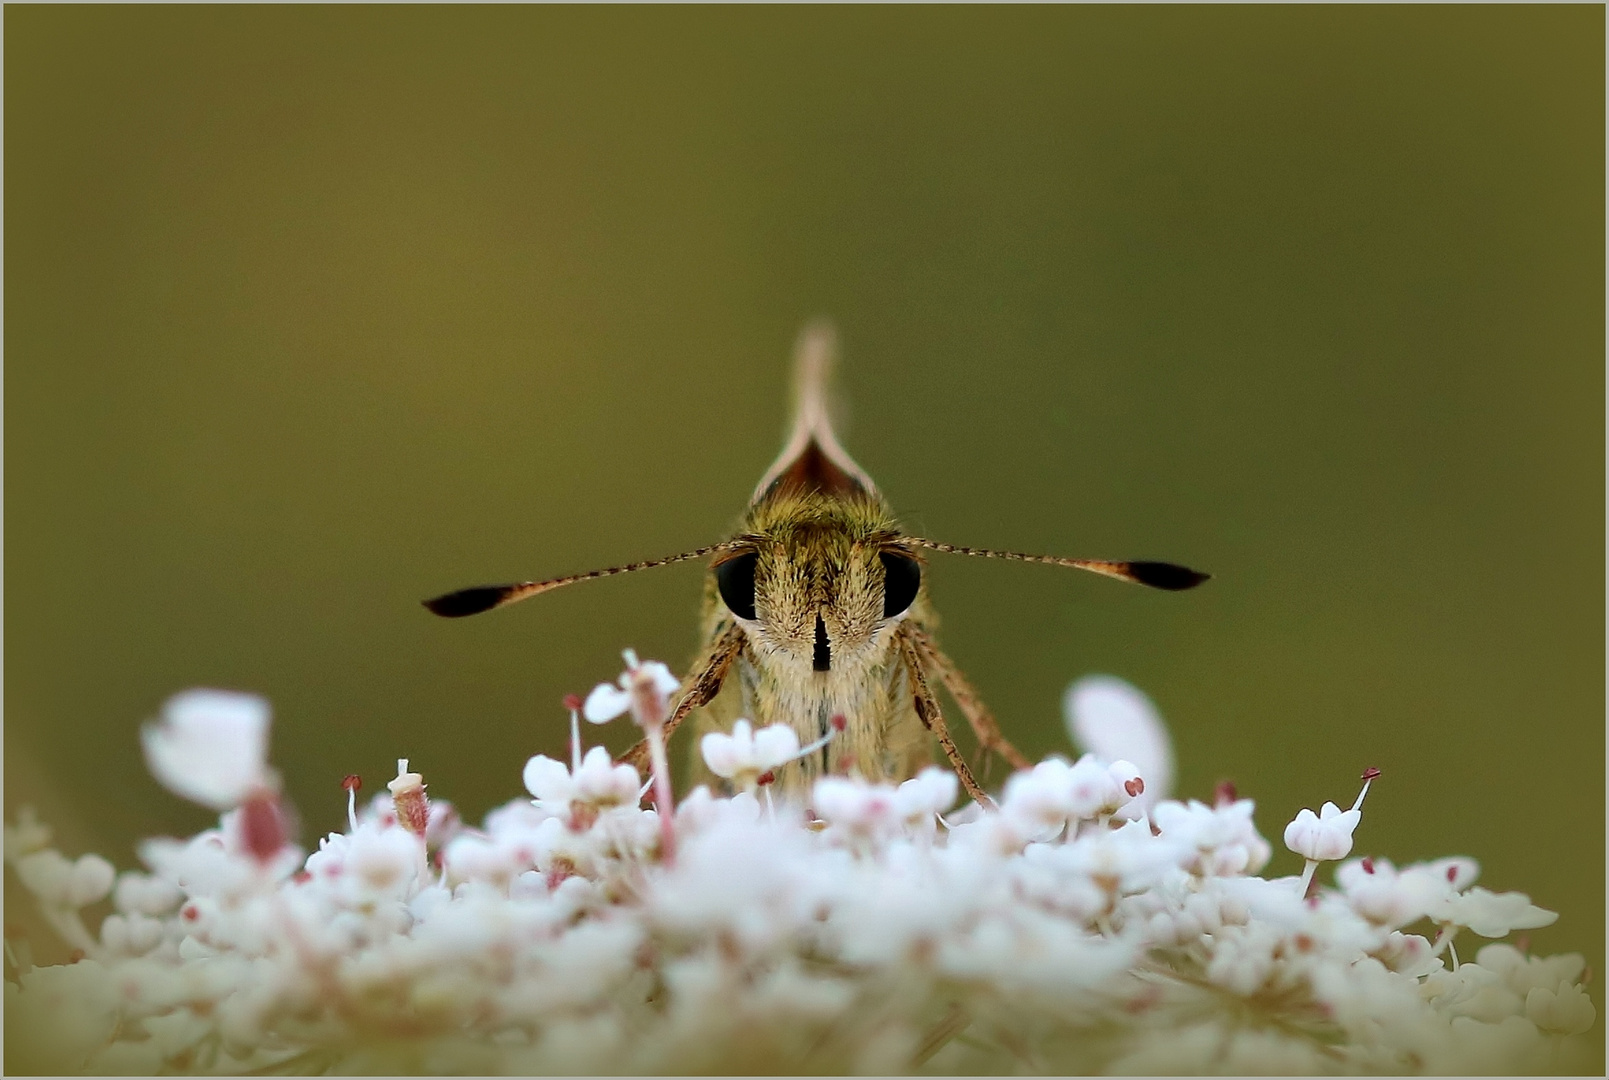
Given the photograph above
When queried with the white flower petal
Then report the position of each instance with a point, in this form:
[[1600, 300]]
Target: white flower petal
[[774, 745], [210, 746], [931, 791], [546, 779], [720, 754], [605, 703]]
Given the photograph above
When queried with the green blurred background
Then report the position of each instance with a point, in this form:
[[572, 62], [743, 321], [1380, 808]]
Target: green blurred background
[[314, 312]]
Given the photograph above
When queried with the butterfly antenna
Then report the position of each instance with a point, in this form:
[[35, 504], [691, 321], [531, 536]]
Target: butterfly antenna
[[473, 601], [1158, 575]]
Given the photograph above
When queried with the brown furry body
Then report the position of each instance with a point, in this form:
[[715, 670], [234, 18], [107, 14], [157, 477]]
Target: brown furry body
[[818, 554]]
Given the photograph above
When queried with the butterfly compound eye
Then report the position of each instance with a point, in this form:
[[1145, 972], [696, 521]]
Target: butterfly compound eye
[[735, 580], [902, 578]]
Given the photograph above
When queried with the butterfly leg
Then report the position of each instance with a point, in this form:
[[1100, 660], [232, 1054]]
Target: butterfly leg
[[701, 690], [927, 710], [972, 706]]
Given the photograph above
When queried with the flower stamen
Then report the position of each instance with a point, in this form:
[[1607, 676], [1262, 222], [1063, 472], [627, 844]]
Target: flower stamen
[[352, 782]]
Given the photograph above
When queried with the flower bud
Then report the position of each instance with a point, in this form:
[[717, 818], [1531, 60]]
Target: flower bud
[[408, 796]]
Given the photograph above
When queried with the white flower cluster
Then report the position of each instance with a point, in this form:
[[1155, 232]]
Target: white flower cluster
[[1086, 924]]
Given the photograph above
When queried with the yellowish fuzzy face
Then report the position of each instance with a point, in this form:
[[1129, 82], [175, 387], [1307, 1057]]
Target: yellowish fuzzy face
[[819, 582]]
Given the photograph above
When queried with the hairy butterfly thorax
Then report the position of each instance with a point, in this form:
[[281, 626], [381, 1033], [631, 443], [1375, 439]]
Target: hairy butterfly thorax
[[816, 615]]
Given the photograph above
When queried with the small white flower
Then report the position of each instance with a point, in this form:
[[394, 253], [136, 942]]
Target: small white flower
[[1524, 972], [1222, 839], [329, 861], [1490, 914], [1565, 1010], [202, 865], [1326, 835], [930, 792], [1117, 722], [210, 746], [1383, 895], [381, 864], [1408, 954], [1040, 800], [746, 754], [549, 782], [1245, 958], [1043, 877], [853, 804], [1130, 800], [1322, 836], [645, 687], [1122, 860], [1094, 790], [598, 783], [1469, 990]]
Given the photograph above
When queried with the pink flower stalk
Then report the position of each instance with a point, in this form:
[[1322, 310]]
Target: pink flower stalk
[[644, 689]]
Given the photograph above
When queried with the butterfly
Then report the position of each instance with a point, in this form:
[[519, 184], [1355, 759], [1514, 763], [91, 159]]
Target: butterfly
[[816, 615]]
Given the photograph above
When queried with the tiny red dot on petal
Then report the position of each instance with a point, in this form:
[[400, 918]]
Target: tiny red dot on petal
[[351, 782], [1368, 865], [1135, 788], [1225, 793], [838, 722], [1452, 873], [768, 777], [1370, 774], [190, 913]]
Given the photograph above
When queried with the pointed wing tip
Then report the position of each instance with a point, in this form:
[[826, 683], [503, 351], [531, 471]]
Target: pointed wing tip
[[1169, 576], [817, 335], [812, 452], [814, 355], [455, 605]]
